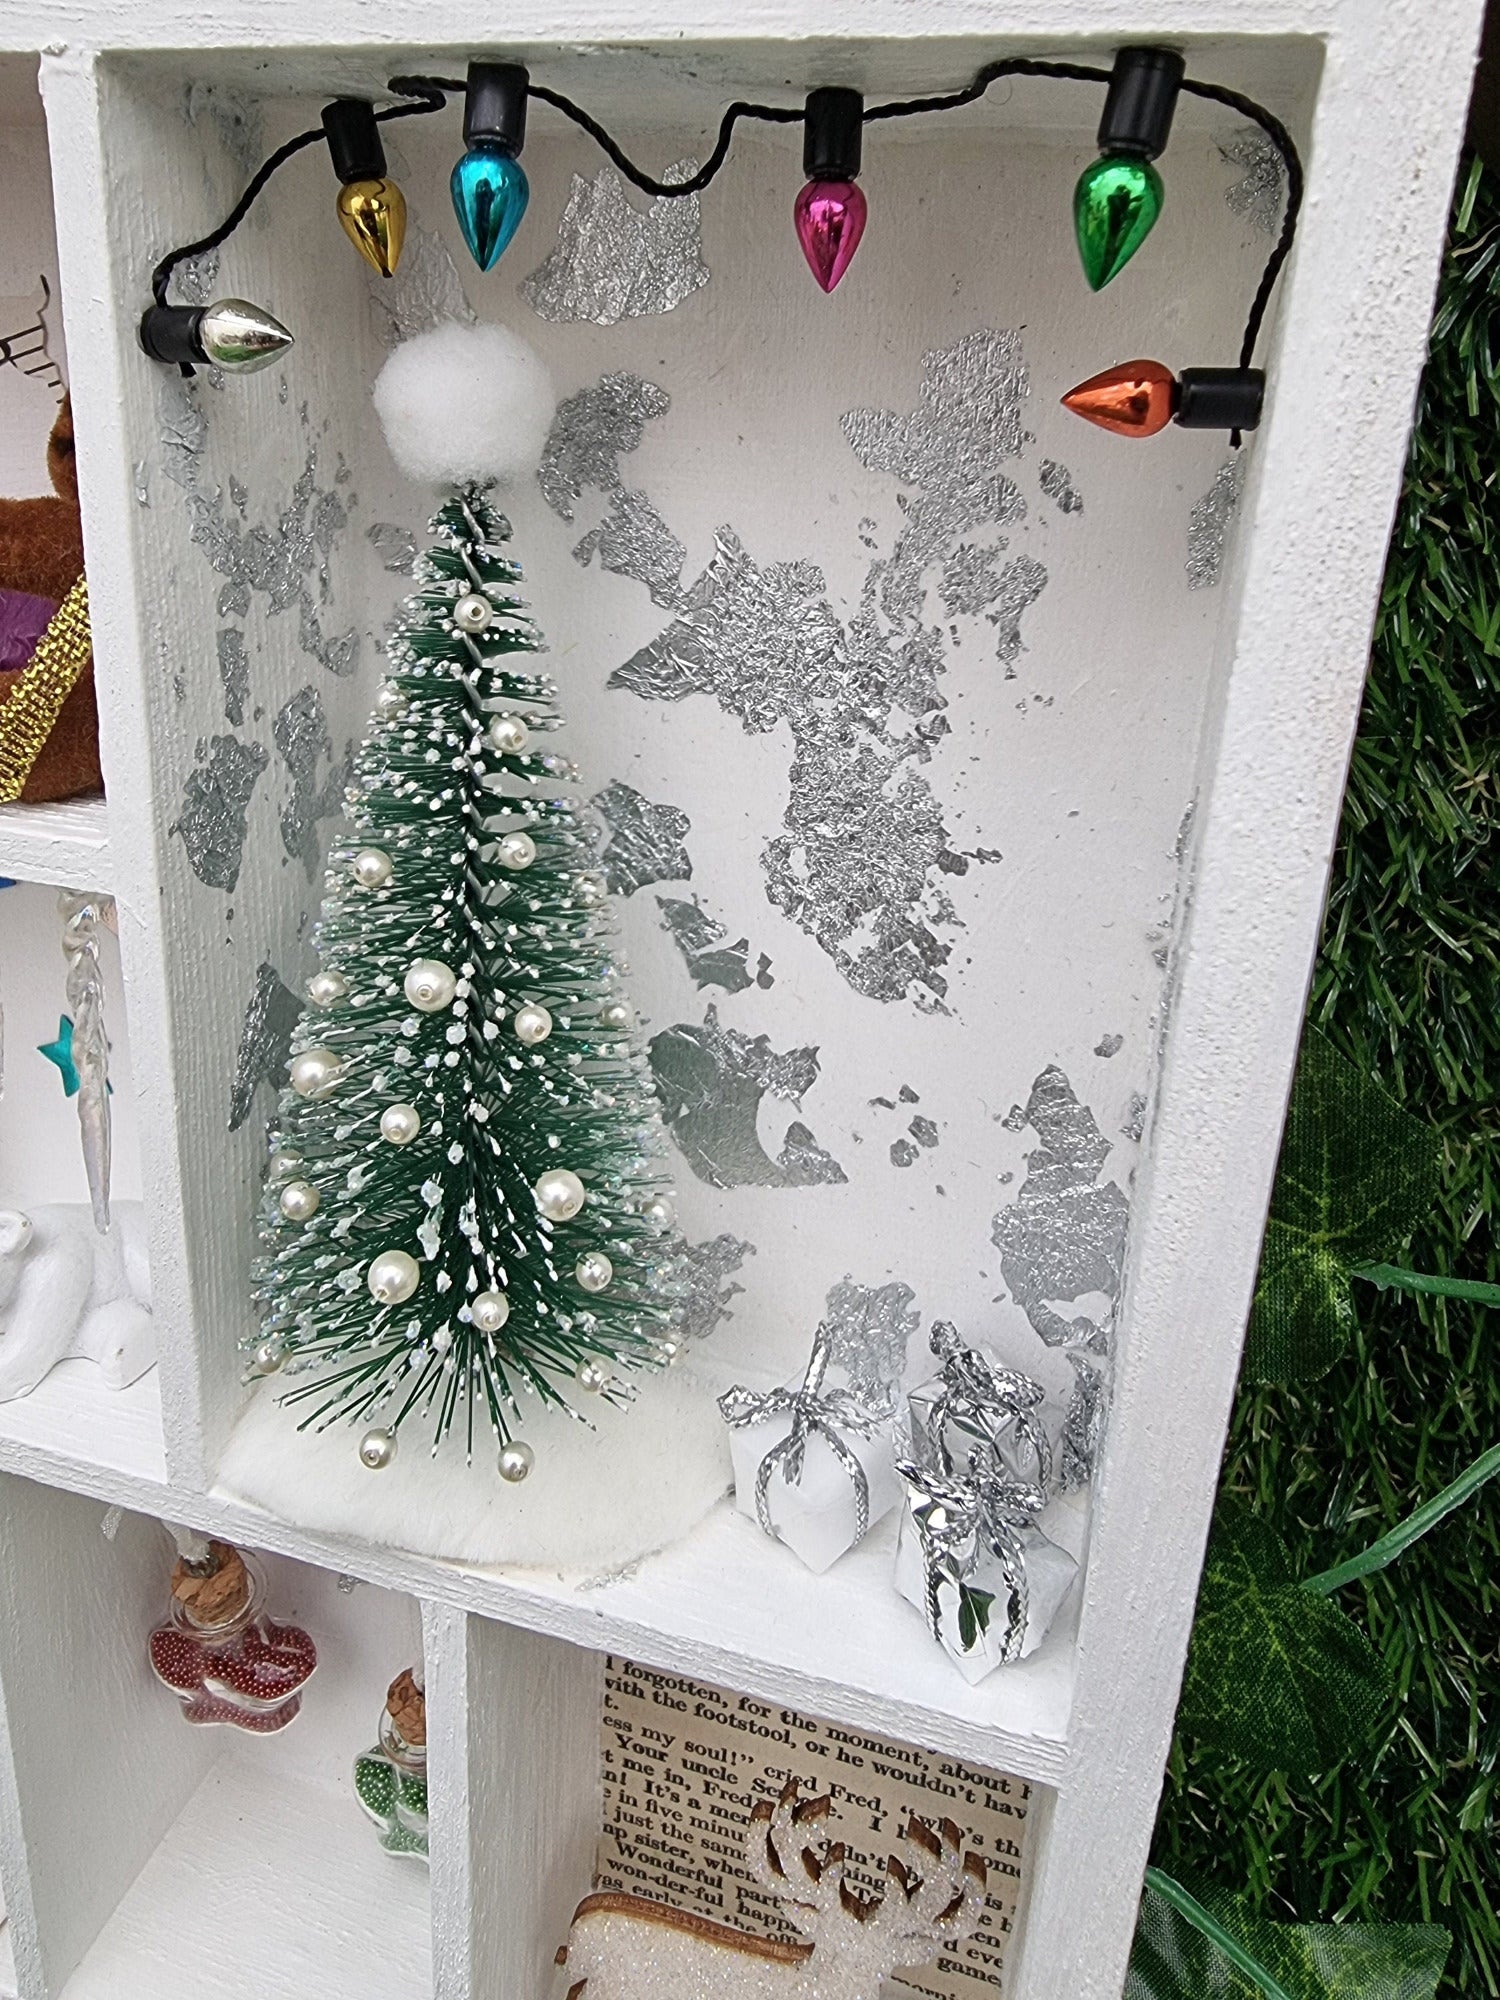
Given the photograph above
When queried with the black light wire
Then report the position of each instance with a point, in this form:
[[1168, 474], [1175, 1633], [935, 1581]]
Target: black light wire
[[432, 92]]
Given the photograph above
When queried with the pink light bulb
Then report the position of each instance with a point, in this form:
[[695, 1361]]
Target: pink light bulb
[[830, 219]]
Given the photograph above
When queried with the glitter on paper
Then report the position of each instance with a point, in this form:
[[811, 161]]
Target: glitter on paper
[[633, 540], [590, 432], [1064, 1234], [1135, 1117], [213, 821], [645, 840], [869, 1327], [1209, 524], [265, 1041], [1109, 1045], [711, 1081], [710, 961], [234, 672], [970, 580], [395, 546], [425, 292], [614, 261], [904, 1153], [1056, 482], [702, 1275], [301, 736], [1257, 195], [1021, 584]]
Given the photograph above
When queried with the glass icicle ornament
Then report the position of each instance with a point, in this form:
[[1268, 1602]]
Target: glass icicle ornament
[[466, 1167]]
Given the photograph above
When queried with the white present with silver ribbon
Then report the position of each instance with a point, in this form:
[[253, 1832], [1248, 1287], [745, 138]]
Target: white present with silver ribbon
[[812, 1465]]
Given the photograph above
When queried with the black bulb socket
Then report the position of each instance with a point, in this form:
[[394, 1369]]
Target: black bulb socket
[[833, 128], [1220, 399], [1143, 89], [495, 105], [171, 334], [354, 140]]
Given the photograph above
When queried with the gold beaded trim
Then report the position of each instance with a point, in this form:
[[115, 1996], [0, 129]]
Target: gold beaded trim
[[27, 719]]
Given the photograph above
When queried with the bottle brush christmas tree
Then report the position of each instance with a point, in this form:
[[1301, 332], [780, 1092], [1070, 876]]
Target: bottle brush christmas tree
[[466, 1200]]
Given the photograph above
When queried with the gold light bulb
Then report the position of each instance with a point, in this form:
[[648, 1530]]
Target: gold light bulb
[[373, 213]]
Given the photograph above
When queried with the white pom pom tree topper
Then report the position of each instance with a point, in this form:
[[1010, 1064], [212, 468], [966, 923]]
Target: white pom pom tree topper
[[459, 1207]]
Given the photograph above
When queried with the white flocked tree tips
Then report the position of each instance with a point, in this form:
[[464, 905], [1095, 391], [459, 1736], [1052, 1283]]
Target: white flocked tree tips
[[466, 1198]]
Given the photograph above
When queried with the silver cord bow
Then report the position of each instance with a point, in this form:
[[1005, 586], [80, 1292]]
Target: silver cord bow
[[986, 1400], [814, 1411], [953, 1516]]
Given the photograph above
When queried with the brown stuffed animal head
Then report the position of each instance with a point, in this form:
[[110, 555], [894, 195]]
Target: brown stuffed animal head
[[61, 460]]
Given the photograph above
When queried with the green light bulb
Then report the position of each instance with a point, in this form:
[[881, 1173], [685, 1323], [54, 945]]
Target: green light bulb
[[1115, 204]]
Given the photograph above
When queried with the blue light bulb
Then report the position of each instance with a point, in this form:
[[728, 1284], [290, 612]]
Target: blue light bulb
[[490, 193]]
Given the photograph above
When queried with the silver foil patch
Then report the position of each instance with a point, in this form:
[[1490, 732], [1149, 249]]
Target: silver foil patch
[[703, 1276], [301, 736], [645, 840], [1083, 1425], [1259, 192], [868, 1328], [234, 672], [1210, 522], [214, 816], [1056, 482], [709, 959], [426, 290], [710, 1082], [633, 540], [613, 260], [1064, 1234], [396, 546], [590, 433], [265, 1041]]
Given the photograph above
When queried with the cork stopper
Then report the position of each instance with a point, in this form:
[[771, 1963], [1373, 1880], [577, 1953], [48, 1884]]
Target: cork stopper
[[212, 1593], [406, 1705]]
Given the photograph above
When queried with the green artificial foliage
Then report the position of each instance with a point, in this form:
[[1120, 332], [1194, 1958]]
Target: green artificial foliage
[[443, 794], [1218, 1949], [1275, 1675], [1407, 987], [1356, 1176]]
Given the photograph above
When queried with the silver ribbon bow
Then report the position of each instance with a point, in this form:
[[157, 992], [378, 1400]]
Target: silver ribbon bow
[[814, 1412], [953, 1517], [986, 1400]]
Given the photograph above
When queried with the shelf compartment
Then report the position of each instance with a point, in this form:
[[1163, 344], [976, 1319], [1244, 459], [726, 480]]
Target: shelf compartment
[[66, 845], [194, 1863]]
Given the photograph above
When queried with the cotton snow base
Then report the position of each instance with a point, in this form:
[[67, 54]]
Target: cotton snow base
[[594, 1499]]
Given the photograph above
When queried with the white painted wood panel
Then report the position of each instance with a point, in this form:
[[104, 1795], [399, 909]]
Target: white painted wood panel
[[534, 1801], [66, 844]]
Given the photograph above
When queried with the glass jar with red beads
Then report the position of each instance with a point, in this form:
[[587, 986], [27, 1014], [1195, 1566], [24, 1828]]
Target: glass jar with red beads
[[226, 1660]]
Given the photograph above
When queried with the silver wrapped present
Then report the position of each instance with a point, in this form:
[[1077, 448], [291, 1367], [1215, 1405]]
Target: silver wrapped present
[[973, 1401], [972, 1560]]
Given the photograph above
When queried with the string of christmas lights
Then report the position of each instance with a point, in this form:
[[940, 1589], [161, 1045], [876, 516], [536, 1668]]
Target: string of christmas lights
[[1116, 203]]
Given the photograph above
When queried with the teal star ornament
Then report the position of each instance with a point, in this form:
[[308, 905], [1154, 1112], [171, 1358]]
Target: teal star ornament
[[61, 1053]]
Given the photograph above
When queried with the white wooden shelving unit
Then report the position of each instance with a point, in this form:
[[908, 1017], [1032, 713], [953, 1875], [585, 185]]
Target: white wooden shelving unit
[[134, 1855]]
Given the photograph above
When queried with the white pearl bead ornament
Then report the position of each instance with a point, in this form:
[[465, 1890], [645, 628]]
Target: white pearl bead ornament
[[326, 989], [473, 613], [392, 1277], [616, 1014], [516, 1462], [371, 868], [400, 1124], [593, 1271], [533, 1024], [559, 1194], [591, 1377], [659, 1212], [430, 985], [377, 1449], [284, 1166], [314, 1073], [489, 1311], [515, 851], [508, 734], [269, 1356], [299, 1201], [390, 704]]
